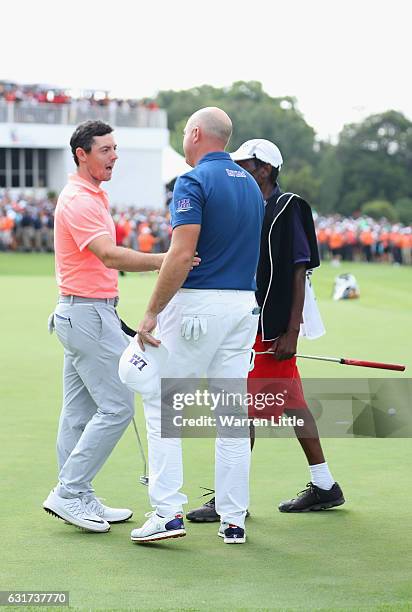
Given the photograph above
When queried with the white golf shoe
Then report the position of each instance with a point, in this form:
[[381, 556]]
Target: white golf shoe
[[75, 511], [159, 528], [232, 534], [111, 515]]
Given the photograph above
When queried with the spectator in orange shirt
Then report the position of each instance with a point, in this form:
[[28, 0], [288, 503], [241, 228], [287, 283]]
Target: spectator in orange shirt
[[322, 236], [6, 229], [406, 245], [146, 240], [382, 247], [121, 235], [367, 240], [395, 239], [349, 240], [336, 244]]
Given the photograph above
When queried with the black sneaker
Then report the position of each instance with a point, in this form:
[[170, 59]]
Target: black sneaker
[[206, 513], [314, 498]]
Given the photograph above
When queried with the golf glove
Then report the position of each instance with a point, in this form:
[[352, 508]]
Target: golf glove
[[193, 326]]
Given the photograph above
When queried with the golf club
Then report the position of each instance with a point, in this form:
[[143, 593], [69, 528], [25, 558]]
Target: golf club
[[350, 362], [144, 480]]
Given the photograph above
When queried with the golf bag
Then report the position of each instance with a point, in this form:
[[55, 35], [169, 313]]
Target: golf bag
[[346, 287]]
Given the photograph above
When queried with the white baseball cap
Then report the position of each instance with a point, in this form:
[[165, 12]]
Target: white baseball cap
[[141, 371], [261, 149]]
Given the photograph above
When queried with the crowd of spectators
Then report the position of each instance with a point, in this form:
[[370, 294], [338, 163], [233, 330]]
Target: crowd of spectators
[[45, 94], [26, 224], [143, 229], [363, 239]]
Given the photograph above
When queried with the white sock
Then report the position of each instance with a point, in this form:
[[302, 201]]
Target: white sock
[[321, 476]]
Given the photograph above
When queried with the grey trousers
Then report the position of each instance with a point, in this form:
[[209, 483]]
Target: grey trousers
[[97, 407]]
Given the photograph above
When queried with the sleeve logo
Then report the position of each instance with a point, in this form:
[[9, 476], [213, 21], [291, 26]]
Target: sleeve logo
[[183, 205]]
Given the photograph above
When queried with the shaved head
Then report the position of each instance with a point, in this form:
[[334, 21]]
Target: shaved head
[[213, 122]]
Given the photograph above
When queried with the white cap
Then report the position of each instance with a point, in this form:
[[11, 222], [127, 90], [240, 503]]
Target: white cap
[[141, 371], [259, 148]]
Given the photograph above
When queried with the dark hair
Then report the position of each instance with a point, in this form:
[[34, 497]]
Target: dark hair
[[273, 177], [84, 133]]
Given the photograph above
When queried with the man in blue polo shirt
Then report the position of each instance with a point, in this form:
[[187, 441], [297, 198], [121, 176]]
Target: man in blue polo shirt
[[206, 317]]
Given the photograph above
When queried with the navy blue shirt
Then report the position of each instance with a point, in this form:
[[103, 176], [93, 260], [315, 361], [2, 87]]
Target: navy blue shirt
[[226, 201], [301, 249]]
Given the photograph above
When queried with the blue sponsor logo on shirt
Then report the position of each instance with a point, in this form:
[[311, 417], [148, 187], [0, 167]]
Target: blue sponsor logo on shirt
[[236, 173], [183, 205]]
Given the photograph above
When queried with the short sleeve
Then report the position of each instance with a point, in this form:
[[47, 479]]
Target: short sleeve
[[186, 207], [301, 249], [85, 219]]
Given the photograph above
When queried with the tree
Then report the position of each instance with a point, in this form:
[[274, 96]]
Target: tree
[[375, 155], [403, 207], [329, 172], [371, 161], [379, 209], [255, 114], [303, 182]]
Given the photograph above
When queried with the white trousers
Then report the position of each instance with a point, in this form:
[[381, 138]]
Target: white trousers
[[222, 352]]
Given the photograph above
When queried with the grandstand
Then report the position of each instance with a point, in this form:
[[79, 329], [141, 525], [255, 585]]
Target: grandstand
[[35, 128]]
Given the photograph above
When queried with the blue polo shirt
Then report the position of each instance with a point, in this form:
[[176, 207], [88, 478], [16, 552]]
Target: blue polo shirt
[[226, 201]]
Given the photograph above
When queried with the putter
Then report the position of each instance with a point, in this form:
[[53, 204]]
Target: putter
[[144, 480]]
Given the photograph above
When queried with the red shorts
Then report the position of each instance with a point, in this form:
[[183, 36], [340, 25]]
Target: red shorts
[[275, 385]]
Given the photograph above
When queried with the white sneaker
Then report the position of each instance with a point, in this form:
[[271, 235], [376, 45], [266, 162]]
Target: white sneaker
[[231, 533], [159, 528], [74, 511], [111, 515], [234, 534]]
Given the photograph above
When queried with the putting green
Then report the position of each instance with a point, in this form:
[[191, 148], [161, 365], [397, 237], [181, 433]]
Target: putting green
[[355, 557]]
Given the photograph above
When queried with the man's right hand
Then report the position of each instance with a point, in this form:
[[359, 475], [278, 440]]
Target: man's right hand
[[195, 263], [144, 331], [128, 260], [285, 346]]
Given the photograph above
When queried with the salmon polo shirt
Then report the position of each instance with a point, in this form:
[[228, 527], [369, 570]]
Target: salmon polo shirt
[[82, 214]]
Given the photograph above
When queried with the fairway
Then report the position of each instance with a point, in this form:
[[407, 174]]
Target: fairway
[[355, 557]]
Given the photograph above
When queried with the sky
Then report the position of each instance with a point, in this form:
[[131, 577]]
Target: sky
[[342, 60]]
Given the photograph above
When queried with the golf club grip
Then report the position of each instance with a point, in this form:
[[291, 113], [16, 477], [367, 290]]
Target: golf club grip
[[373, 364]]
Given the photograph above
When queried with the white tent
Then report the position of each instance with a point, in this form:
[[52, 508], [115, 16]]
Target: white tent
[[173, 165]]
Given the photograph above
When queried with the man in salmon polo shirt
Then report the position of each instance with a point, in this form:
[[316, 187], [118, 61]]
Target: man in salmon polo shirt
[[97, 407]]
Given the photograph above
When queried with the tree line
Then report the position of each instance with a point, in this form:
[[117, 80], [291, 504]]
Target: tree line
[[367, 171]]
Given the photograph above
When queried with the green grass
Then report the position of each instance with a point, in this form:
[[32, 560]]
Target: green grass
[[356, 557]]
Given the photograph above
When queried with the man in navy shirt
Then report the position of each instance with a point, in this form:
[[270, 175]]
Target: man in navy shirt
[[288, 249], [206, 317]]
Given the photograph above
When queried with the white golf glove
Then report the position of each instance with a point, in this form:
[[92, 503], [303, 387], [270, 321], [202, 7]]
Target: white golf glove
[[193, 326]]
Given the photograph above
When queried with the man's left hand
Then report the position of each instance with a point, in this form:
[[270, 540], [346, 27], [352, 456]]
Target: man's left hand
[[144, 329], [285, 346]]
